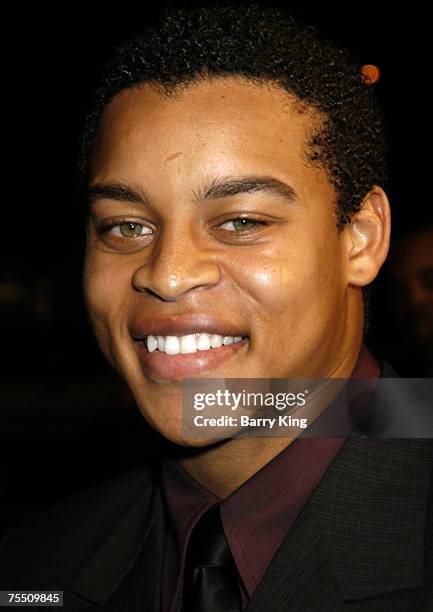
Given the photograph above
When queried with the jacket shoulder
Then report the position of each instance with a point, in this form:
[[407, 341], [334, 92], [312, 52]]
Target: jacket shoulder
[[77, 525]]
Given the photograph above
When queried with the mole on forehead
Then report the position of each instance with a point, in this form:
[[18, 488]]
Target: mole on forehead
[[170, 157]]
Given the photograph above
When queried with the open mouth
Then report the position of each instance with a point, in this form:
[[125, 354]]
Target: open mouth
[[181, 357], [187, 345], [190, 343]]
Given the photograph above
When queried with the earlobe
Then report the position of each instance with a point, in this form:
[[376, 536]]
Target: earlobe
[[367, 238]]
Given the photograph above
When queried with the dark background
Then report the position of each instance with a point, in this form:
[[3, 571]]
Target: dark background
[[66, 420]]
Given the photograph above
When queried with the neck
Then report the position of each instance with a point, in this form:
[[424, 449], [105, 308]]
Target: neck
[[223, 468]]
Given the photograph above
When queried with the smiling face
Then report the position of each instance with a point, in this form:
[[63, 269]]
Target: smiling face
[[170, 179]]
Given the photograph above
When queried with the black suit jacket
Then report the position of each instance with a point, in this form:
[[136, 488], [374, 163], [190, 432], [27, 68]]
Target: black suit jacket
[[363, 541]]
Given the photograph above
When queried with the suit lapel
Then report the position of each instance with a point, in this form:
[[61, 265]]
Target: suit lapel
[[361, 534], [296, 574], [125, 570], [371, 513]]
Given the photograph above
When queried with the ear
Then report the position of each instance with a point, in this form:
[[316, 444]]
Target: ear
[[366, 238]]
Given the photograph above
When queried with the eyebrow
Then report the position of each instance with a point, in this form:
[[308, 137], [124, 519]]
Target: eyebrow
[[218, 188], [116, 191], [230, 186]]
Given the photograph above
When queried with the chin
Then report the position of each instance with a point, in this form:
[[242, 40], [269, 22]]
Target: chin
[[188, 441], [191, 438]]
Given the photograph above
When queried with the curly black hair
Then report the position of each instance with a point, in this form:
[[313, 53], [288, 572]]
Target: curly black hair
[[260, 43]]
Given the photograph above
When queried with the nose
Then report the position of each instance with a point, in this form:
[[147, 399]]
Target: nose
[[176, 267]]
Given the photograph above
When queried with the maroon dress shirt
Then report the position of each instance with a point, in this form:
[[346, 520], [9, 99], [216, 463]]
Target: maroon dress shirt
[[257, 516]]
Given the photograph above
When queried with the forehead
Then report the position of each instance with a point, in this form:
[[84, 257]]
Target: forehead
[[208, 126]]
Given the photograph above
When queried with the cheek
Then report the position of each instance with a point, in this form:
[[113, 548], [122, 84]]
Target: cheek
[[293, 284], [105, 289]]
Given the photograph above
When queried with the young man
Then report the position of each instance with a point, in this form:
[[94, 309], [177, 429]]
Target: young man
[[233, 167]]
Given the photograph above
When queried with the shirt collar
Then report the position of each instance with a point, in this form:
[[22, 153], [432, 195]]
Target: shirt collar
[[257, 516]]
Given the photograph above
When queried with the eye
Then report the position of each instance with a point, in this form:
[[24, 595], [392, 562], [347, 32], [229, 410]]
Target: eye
[[242, 224], [129, 229], [120, 228]]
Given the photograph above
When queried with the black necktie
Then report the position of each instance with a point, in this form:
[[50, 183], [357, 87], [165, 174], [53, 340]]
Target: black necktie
[[211, 576]]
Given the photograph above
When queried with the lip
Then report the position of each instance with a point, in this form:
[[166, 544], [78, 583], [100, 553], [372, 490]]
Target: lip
[[182, 325], [161, 366]]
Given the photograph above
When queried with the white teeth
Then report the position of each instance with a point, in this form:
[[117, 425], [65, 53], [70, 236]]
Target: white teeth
[[152, 343], [216, 341], [188, 344], [203, 342], [174, 345]]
